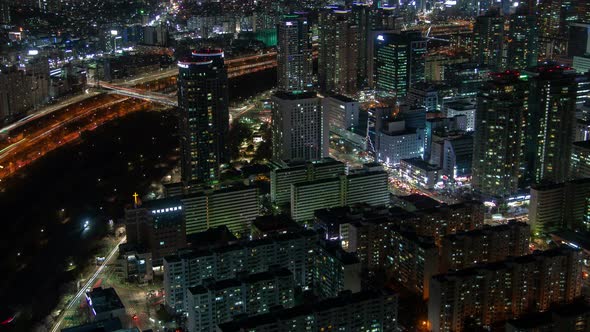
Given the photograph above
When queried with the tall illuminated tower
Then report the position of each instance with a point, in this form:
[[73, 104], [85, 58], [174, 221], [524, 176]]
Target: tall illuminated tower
[[498, 134], [4, 11], [488, 35], [550, 125], [204, 114], [338, 52], [523, 41], [399, 61], [294, 57]]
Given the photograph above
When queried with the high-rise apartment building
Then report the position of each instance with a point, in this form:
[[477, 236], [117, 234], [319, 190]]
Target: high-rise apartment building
[[382, 245], [299, 129], [294, 57], [234, 207], [580, 163], [562, 205], [498, 135], [189, 269], [361, 17], [553, 18], [219, 301], [494, 292], [342, 113], [5, 11], [488, 40], [370, 187], [523, 41], [204, 115], [550, 122], [338, 52], [399, 61], [486, 245], [395, 140], [284, 174], [335, 270], [364, 311]]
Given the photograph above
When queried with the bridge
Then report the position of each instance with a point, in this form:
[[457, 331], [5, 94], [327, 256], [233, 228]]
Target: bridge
[[160, 98], [164, 99]]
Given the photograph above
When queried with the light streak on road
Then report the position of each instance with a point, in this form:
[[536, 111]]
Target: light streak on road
[[54, 127], [46, 111], [9, 148], [88, 284]]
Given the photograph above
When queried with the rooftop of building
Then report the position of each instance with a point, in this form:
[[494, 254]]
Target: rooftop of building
[[505, 264], [108, 325], [212, 237], [550, 186], [244, 278], [163, 203], [487, 229], [336, 251], [269, 224], [582, 144], [104, 300], [342, 98], [188, 254], [550, 70], [418, 162], [205, 192], [573, 239], [295, 95], [461, 105], [297, 164], [421, 202], [425, 242]]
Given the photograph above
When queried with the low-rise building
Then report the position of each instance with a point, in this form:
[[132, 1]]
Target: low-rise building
[[419, 172], [104, 304], [158, 225]]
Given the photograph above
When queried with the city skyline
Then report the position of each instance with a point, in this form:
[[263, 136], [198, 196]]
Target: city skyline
[[273, 165]]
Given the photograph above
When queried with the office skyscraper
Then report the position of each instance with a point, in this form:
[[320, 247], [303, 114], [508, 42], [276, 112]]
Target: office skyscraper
[[204, 124], [488, 35], [338, 52], [299, 131], [498, 134], [523, 41], [362, 19], [553, 26], [294, 58], [399, 61], [550, 122], [5, 11]]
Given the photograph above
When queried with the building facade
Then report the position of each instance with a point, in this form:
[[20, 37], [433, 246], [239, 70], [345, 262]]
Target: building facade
[[204, 120], [294, 57], [299, 128]]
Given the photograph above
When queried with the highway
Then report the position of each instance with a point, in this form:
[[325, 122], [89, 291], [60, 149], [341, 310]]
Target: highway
[[31, 140], [31, 137], [48, 110], [99, 270]]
